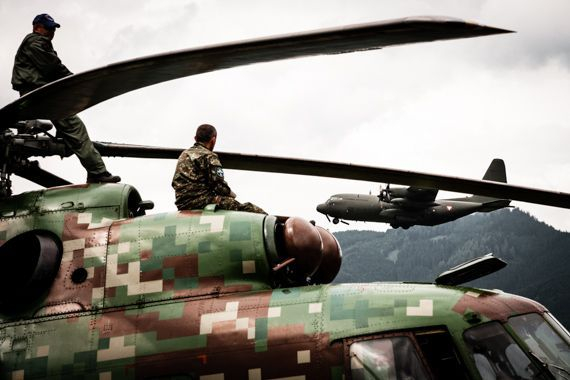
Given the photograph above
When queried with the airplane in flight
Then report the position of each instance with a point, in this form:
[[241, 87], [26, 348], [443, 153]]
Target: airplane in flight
[[408, 206]]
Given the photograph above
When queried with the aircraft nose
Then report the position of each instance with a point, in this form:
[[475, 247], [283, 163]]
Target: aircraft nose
[[322, 208]]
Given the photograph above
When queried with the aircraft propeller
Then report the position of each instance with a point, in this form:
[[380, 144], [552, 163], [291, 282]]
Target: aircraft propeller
[[384, 194]]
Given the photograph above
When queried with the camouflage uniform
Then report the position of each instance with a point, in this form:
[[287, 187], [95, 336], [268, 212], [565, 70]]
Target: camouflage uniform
[[37, 64], [199, 181]]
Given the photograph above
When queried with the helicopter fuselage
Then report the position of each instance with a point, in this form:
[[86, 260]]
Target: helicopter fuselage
[[206, 294]]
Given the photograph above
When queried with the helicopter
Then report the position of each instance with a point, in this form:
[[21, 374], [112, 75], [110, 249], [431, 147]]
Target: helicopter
[[408, 206], [93, 287]]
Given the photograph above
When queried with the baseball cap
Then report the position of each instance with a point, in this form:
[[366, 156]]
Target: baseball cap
[[46, 20]]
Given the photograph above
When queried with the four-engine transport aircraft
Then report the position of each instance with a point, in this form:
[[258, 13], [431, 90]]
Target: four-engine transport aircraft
[[93, 288], [408, 206]]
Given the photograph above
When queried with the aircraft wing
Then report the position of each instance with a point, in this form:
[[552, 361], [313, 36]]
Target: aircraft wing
[[413, 197], [355, 172], [419, 194], [71, 95]]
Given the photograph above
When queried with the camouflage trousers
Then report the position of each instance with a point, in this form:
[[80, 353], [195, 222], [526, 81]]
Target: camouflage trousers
[[229, 203], [76, 139], [223, 202]]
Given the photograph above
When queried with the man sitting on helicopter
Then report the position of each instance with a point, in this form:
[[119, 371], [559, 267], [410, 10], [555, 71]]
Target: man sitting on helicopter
[[199, 177]]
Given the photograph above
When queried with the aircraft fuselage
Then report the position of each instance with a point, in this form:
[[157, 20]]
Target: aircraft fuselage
[[399, 212]]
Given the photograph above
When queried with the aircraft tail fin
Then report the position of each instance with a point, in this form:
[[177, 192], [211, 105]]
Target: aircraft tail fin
[[496, 171]]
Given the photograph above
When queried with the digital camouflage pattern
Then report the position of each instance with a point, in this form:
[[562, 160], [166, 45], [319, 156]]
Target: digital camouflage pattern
[[199, 181], [188, 295]]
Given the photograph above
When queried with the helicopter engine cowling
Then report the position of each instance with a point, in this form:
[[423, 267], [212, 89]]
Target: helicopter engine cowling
[[331, 260], [301, 253], [28, 265], [303, 243]]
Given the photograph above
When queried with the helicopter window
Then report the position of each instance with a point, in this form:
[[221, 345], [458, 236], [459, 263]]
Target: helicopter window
[[496, 354], [439, 351], [387, 358], [544, 342]]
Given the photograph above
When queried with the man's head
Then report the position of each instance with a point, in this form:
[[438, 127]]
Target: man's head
[[45, 25], [206, 134]]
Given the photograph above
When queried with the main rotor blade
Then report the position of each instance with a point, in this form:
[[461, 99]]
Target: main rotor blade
[[76, 93], [354, 172], [135, 151], [32, 172]]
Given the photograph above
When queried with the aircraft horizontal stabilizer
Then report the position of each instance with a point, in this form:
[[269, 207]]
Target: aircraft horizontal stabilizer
[[494, 205]]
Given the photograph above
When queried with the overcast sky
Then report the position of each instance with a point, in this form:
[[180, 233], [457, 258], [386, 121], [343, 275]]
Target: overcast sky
[[444, 107]]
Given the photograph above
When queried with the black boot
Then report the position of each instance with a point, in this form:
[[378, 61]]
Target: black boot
[[104, 177]]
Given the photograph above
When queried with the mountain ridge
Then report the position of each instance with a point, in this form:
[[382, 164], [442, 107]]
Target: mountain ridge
[[537, 255]]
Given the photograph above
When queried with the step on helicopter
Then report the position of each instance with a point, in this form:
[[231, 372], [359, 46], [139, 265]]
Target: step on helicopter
[[92, 287]]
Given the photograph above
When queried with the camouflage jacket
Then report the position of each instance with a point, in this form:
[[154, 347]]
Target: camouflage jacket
[[198, 178], [36, 64]]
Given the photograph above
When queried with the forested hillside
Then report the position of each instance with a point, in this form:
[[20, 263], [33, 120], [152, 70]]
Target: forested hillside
[[538, 256]]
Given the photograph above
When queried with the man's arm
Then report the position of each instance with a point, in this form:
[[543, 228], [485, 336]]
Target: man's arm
[[216, 177]]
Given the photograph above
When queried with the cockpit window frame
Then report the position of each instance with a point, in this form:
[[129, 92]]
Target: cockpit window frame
[[538, 356], [407, 334], [412, 336], [535, 363]]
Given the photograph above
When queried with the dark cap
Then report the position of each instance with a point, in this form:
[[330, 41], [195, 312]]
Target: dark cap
[[46, 20]]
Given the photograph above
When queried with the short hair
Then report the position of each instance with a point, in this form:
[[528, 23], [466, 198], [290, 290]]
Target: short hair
[[205, 132]]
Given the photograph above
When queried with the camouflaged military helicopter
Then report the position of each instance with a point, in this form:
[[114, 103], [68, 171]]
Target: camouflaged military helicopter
[[93, 288]]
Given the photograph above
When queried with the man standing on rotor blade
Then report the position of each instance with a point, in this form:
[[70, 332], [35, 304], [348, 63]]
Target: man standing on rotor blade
[[37, 64], [199, 178]]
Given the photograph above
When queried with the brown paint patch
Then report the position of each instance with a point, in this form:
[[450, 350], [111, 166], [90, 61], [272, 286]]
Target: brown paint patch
[[72, 230], [110, 292], [188, 213], [63, 290], [146, 254], [211, 282], [123, 268], [496, 306], [151, 275], [184, 266], [167, 285], [116, 323]]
